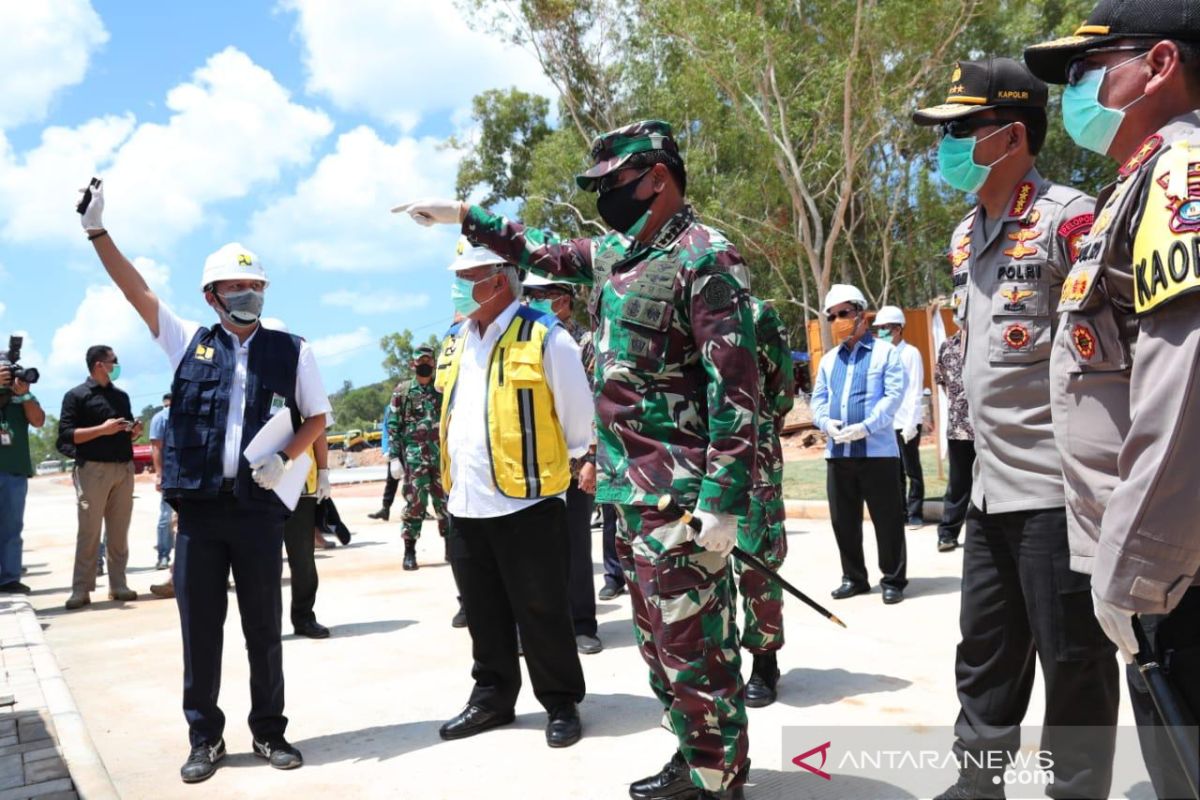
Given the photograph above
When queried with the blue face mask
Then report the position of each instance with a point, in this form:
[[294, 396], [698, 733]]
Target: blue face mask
[[462, 295], [116, 372], [956, 162], [883, 334], [542, 305], [1091, 124]]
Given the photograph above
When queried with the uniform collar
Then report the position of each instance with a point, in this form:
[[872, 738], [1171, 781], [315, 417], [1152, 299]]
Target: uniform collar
[[233, 339], [1025, 196], [867, 341], [92, 384], [502, 322], [673, 228]]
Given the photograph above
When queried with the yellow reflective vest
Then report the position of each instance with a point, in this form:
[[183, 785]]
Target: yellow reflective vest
[[525, 438]]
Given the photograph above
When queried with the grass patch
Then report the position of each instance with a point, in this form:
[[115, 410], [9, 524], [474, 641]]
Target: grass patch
[[804, 478]]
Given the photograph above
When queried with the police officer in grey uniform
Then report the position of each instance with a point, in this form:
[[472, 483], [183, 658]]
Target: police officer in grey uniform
[[1129, 348], [1010, 256]]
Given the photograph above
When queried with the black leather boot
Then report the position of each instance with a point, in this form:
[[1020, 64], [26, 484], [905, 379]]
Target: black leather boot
[[410, 554], [764, 677], [670, 783]]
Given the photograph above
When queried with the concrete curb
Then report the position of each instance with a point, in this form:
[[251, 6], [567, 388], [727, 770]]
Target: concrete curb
[[88, 772]]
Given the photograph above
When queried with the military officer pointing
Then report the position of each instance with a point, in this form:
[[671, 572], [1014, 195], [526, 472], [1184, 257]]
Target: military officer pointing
[[413, 441], [677, 397], [1010, 256], [1131, 347]]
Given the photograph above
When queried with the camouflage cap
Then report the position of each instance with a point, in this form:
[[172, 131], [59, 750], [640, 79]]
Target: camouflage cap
[[611, 150], [422, 350]]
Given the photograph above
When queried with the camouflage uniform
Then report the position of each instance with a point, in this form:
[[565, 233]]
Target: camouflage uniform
[[763, 533], [413, 438], [676, 385]]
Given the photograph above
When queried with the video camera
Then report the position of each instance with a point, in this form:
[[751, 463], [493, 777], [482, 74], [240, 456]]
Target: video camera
[[10, 359]]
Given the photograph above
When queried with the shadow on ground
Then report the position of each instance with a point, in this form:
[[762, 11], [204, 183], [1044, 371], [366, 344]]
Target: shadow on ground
[[769, 784], [802, 687], [364, 628], [926, 587]]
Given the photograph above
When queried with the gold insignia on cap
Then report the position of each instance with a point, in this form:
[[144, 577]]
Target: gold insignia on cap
[[460, 248], [957, 74]]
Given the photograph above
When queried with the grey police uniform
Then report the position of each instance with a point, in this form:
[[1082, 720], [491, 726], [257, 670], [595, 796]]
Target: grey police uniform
[[1007, 285]]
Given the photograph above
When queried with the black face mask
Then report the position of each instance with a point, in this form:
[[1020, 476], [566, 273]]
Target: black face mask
[[618, 207], [424, 370]]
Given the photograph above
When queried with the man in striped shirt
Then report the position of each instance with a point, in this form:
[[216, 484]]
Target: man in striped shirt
[[858, 389]]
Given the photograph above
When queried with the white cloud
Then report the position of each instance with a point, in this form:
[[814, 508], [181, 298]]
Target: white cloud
[[338, 218], [2, 307], [232, 129], [370, 302], [398, 60], [339, 347], [45, 46]]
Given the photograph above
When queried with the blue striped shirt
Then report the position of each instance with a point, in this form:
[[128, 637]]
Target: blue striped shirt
[[860, 385]]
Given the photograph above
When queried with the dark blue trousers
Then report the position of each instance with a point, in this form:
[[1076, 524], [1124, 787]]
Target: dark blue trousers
[[214, 537]]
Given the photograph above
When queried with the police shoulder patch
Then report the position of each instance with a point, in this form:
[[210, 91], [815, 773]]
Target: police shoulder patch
[[717, 294], [1166, 246], [1073, 232]]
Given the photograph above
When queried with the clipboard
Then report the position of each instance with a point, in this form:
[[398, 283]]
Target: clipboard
[[273, 437]]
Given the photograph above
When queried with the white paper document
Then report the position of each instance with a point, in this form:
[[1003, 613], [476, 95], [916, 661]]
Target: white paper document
[[275, 436]]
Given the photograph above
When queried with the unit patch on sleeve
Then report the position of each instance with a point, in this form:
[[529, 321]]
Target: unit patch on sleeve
[[1166, 246], [1073, 232]]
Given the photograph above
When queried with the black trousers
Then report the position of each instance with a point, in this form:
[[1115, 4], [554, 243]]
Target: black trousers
[[958, 489], [910, 471], [1022, 604], [613, 575], [214, 537], [580, 584], [389, 490], [851, 481], [298, 541], [1175, 638], [512, 571]]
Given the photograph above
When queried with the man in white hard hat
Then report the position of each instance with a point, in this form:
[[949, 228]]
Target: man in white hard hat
[[229, 379], [889, 326], [859, 386], [516, 409]]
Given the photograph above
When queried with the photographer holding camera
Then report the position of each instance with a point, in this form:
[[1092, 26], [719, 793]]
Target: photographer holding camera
[[97, 428], [18, 410]]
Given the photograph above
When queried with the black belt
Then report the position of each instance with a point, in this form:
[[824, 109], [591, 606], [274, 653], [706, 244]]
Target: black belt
[[227, 486]]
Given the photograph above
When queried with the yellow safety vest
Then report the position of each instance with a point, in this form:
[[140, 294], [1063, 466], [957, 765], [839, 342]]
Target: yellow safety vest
[[525, 438]]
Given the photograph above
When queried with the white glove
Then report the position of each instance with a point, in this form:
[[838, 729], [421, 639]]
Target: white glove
[[718, 532], [269, 472], [432, 212], [394, 469], [851, 434], [323, 489], [833, 428], [909, 433], [1117, 624], [93, 197]]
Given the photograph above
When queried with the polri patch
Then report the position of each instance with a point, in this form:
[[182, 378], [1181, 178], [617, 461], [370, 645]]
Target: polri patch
[[1084, 341], [1016, 336], [1074, 231]]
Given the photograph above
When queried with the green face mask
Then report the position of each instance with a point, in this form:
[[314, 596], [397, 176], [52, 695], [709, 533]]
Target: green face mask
[[883, 334], [956, 162], [542, 305], [116, 372]]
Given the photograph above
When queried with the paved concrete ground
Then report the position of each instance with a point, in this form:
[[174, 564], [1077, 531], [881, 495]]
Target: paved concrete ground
[[365, 705]]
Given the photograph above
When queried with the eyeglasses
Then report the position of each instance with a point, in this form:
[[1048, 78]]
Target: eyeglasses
[[1082, 64], [845, 312], [963, 128], [610, 181]]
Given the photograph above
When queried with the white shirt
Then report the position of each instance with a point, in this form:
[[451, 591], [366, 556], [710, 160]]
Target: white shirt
[[174, 336], [911, 410], [473, 492]]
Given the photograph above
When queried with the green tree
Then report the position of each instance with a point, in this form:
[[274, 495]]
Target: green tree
[[511, 123], [397, 353], [42, 441]]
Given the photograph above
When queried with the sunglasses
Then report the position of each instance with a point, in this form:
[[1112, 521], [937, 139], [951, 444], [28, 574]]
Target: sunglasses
[[1082, 64], [612, 180], [845, 312], [963, 128]]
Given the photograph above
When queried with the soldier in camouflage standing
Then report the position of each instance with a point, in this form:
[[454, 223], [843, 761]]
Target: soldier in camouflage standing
[[413, 439], [763, 533], [676, 404]]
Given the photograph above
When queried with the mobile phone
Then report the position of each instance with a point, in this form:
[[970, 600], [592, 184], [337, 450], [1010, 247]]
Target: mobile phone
[[84, 201]]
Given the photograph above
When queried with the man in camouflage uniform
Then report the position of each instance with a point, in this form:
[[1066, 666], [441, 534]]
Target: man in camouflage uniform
[[1010, 256], [676, 404], [763, 533], [1128, 351], [413, 439], [960, 441]]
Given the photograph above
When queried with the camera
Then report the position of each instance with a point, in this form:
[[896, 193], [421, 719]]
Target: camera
[[9, 359]]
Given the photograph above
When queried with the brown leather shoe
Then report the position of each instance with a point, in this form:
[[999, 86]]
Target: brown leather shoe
[[124, 594], [163, 590], [77, 601]]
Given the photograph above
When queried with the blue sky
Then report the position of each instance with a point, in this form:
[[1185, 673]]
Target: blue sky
[[290, 126]]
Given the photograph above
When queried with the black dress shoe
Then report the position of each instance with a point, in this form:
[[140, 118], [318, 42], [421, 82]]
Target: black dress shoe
[[849, 589], [611, 591], [410, 555], [202, 762], [892, 595], [564, 728], [473, 720], [947, 544], [312, 629], [279, 753], [460, 619], [382, 514], [673, 782], [764, 677], [14, 587]]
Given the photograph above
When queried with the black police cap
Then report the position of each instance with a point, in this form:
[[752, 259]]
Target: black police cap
[[982, 85]]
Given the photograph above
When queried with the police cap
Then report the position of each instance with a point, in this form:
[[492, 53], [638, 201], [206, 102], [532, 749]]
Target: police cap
[[981, 85]]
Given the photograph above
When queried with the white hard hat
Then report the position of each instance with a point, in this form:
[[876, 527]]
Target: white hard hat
[[844, 293], [274, 324], [889, 315], [533, 281], [232, 262], [470, 256]]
